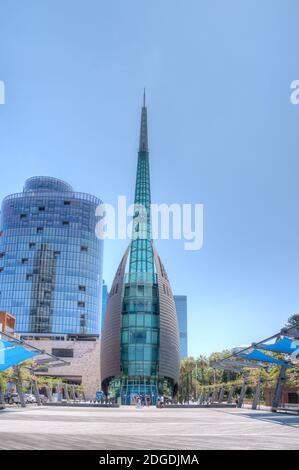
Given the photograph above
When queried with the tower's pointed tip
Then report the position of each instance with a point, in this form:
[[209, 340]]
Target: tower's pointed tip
[[143, 145]]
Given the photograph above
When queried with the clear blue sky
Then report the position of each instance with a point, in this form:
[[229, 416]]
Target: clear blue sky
[[222, 133]]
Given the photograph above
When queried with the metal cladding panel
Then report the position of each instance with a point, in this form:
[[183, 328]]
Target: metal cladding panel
[[110, 340], [169, 357]]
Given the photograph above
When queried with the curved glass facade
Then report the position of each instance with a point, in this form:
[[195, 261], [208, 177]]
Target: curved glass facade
[[50, 259], [140, 341], [140, 336], [140, 311]]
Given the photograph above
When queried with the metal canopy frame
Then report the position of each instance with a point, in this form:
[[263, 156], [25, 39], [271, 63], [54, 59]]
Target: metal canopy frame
[[230, 363], [28, 345]]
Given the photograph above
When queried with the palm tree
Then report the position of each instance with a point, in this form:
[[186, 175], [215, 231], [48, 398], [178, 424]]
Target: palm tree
[[186, 370], [202, 364]]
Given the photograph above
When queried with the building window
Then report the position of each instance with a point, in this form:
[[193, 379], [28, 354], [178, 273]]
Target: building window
[[41, 208], [82, 288], [84, 248], [140, 291], [39, 229], [1, 269], [32, 245], [47, 294], [24, 260], [29, 277], [65, 222], [81, 304], [2, 254], [293, 397], [60, 352], [67, 203], [23, 216], [57, 253]]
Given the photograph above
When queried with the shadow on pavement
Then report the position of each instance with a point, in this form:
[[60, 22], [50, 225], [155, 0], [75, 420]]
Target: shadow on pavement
[[275, 418]]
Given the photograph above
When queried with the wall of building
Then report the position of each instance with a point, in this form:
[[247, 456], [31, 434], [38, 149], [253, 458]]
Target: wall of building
[[105, 296], [181, 310], [84, 366], [7, 323], [51, 259], [289, 395]]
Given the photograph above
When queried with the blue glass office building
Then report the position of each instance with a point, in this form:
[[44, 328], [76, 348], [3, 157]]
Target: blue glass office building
[[105, 295], [50, 259], [181, 311]]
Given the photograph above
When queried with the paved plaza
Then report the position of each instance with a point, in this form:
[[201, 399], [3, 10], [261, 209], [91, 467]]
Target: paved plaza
[[148, 428]]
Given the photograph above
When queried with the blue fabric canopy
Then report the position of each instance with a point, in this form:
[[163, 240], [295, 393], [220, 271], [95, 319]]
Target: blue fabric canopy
[[257, 355], [242, 363], [285, 345], [13, 353]]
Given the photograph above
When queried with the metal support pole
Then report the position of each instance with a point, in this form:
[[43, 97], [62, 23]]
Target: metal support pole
[[214, 395], [256, 398], [1, 395], [221, 394], [2, 402], [279, 389], [242, 395], [65, 386], [230, 395], [196, 384], [36, 392], [19, 386]]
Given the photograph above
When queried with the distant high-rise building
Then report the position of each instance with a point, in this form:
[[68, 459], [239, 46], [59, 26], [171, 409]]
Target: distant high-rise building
[[105, 295], [51, 259], [181, 310], [140, 338]]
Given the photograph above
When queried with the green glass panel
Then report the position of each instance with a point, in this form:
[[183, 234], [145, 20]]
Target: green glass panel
[[132, 319], [125, 336]]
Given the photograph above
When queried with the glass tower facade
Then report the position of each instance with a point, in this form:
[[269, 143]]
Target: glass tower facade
[[50, 259], [140, 312], [105, 295], [181, 311], [140, 340]]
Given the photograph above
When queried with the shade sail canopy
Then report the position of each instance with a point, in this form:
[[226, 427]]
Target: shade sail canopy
[[285, 345], [242, 364], [12, 353], [219, 365], [257, 355]]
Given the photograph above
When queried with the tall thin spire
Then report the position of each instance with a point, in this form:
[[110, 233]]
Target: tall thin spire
[[143, 142], [141, 254]]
